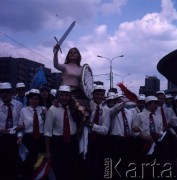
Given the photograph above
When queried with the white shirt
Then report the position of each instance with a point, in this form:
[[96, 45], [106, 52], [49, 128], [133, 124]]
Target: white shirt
[[16, 107], [54, 122], [167, 112], [26, 118], [142, 122], [135, 110], [71, 74], [117, 123], [104, 118]]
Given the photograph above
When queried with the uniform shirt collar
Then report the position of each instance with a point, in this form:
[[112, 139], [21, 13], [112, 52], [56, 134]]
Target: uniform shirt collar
[[149, 112], [94, 104], [31, 108], [2, 103]]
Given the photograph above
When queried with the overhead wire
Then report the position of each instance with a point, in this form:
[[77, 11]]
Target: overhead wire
[[23, 45]]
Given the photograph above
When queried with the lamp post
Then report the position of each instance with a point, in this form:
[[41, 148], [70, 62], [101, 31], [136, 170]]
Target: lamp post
[[111, 73], [123, 76]]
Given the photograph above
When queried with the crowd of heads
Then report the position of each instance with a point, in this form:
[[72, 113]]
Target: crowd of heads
[[48, 96]]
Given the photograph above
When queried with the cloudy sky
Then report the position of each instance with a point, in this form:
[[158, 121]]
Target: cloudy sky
[[143, 31]]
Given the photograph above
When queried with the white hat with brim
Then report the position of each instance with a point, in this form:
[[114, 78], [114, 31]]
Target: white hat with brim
[[26, 93], [111, 94], [64, 88], [168, 96], [34, 91], [53, 92], [110, 97], [20, 85], [5, 85], [118, 95], [175, 98], [99, 87], [141, 97], [150, 98], [160, 92]]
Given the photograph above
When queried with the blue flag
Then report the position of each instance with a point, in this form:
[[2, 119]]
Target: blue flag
[[39, 79]]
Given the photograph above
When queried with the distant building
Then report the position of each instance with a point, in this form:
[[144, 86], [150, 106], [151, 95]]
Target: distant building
[[56, 80], [98, 83], [152, 84], [171, 86], [171, 89], [16, 70]]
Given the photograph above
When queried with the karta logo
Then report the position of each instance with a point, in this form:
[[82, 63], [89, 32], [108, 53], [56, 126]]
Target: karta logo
[[133, 170]]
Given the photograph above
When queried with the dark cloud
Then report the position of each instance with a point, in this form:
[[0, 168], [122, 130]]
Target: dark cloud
[[21, 15], [33, 15]]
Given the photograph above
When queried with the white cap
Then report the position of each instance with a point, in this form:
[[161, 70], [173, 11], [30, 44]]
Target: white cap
[[160, 92], [99, 87], [110, 97], [53, 92], [130, 103], [35, 91], [118, 95], [64, 88], [20, 85], [175, 98], [5, 85], [111, 94], [141, 97], [150, 98], [168, 96], [26, 93]]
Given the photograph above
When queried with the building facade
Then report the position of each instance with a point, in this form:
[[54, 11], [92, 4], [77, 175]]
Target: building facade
[[171, 89], [15, 70], [152, 84]]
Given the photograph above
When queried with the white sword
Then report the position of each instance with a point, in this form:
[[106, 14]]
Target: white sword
[[65, 34]]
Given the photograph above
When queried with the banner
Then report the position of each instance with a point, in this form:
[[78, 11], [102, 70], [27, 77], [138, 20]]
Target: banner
[[39, 79]]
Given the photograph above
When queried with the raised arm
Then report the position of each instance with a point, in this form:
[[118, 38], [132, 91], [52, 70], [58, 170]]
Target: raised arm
[[55, 57]]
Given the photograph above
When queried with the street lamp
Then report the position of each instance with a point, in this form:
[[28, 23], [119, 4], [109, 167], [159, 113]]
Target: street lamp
[[123, 76], [111, 73]]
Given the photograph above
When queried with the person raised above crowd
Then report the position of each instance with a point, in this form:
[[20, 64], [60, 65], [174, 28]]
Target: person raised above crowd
[[71, 76], [71, 69]]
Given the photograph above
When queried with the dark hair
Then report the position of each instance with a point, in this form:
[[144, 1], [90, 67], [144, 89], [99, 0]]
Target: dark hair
[[45, 88], [67, 60], [31, 95]]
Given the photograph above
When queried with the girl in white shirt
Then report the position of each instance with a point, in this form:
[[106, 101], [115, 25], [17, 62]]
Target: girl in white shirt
[[32, 136]]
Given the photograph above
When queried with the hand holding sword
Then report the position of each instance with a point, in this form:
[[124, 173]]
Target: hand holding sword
[[57, 47]]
